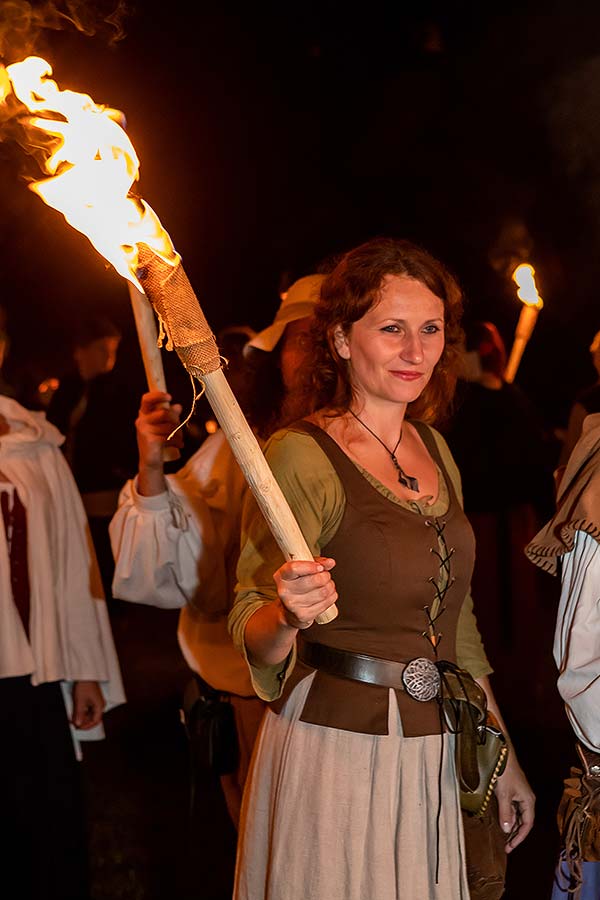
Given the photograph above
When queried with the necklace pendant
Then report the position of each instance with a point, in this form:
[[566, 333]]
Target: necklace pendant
[[406, 480], [409, 482]]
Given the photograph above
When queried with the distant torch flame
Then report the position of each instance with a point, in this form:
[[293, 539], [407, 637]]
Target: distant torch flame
[[532, 303], [92, 166], [524, 277]]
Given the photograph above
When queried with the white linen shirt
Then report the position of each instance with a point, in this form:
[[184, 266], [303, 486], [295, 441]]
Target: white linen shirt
[[179, 550], [577, 639], [69, 631]]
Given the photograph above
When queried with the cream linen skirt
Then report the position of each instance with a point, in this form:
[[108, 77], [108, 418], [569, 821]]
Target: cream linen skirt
[[335, 815]]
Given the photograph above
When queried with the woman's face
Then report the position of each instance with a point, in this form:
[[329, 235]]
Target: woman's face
[[394, 348]]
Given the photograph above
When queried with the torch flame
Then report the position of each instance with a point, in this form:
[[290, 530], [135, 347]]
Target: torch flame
[[92, 166], [523, 276]]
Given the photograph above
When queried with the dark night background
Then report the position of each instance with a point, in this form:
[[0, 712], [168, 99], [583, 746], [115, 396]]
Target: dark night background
[[274, 135], [271, 137]]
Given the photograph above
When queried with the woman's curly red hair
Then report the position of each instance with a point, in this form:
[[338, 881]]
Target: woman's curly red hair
[[351, 289]]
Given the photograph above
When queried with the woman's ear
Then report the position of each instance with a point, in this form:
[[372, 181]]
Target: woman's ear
[[340, 342]]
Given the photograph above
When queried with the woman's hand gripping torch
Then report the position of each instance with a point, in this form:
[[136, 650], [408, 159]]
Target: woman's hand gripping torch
[[532, 303]]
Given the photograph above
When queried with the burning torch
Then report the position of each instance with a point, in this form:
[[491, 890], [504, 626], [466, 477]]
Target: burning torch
[[92, 166], [524, 277]]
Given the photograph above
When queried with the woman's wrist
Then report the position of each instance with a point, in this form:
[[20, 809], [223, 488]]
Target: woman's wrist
[[268, 635], [283, 620]]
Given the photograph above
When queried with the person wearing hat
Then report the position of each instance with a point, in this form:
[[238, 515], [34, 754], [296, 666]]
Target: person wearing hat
[[175, 538]]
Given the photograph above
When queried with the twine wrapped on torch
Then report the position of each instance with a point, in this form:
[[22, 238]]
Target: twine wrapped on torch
[[172, 296]]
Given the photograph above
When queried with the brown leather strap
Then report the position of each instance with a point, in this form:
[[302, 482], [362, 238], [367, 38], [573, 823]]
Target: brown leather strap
[[357, 666], [456, 685]]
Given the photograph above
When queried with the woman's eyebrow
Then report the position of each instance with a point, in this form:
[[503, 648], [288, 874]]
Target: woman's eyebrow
[[401, 321]]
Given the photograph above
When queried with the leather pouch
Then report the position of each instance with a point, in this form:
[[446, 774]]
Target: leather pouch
[[578, 814], [491, 754], [210, 724], [481, 748]]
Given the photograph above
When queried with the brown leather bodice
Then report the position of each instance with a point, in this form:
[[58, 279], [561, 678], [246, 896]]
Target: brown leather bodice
[[387, 574]]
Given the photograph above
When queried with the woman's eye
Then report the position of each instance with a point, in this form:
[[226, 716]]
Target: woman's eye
[[391, 329], [431, 329]]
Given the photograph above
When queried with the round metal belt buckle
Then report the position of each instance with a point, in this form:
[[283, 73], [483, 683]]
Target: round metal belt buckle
[[421, 679]]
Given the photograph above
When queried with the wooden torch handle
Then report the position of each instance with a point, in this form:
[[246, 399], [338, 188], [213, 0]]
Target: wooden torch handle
[[523, 331], [258, 474], [145, 323]]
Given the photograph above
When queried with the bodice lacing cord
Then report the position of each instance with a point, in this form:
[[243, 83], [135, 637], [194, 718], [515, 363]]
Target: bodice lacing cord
[[441, 585]]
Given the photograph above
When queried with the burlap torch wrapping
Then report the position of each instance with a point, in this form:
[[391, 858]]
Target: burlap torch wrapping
[[171, 294]]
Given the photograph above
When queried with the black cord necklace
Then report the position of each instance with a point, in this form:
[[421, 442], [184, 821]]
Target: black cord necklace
[[407, 480]]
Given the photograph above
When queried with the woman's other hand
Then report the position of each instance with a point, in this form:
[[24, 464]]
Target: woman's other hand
[[516, 803], [88, 705], [305, 589]]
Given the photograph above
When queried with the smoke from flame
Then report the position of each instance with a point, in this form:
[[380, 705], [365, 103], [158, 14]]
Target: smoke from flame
[[22, 24]]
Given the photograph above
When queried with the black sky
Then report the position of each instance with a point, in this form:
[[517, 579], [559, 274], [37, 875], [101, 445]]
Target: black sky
[[273, 135]]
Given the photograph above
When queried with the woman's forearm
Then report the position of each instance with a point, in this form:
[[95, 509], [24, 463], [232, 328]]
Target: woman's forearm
[[516, 800], [268, 636]]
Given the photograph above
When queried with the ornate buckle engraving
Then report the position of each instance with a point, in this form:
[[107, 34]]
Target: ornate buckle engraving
[[421, 679]]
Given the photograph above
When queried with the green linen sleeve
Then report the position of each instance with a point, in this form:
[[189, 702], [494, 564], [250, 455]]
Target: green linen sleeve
[[316, 497], [470, 654]]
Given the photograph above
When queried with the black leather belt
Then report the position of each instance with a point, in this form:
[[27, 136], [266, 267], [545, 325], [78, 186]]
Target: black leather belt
[[419, 677]]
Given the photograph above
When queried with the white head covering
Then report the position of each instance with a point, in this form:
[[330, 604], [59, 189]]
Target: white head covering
[[299, 302]]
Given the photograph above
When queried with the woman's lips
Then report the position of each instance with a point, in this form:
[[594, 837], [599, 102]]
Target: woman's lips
[[407, 376]]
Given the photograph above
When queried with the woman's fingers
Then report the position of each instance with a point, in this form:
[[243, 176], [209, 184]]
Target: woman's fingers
[[297, 569], [161, 418], [304, 577], [152, 399], [516, 805], [305, 589], [157, 418]]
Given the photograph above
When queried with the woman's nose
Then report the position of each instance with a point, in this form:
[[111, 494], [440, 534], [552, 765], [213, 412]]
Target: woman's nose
[[412, 349]]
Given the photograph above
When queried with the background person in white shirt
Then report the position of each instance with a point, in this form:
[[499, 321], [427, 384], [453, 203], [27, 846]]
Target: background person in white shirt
[[58, 666], [570, 545]]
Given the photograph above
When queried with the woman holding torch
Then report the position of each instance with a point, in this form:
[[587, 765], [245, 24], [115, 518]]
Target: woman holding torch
[[353, 791]]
